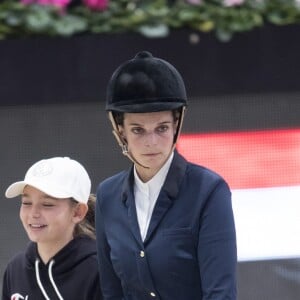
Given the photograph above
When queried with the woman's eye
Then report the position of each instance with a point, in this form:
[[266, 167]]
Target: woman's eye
[[162, 128], [137, 130], [26, 203]]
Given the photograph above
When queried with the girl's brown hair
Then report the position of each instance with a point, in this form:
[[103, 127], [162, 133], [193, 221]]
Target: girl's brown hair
[[87, 225]]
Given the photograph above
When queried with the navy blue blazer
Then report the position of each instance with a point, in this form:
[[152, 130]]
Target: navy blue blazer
[[189, 252]]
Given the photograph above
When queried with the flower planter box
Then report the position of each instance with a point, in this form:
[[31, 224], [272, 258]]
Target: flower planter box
[[46, 70]]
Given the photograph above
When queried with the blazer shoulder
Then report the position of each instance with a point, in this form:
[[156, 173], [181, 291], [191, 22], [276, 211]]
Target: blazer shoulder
[[199, 170], [112, 181], [205, 177], [112, 187]]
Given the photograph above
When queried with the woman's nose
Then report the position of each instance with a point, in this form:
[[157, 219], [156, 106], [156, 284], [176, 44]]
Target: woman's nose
[[151, 139]]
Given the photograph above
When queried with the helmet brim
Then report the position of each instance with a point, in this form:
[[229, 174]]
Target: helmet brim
[[146, 107]]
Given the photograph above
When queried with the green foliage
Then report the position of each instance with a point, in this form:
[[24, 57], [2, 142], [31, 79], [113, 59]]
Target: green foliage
[[150, 18]]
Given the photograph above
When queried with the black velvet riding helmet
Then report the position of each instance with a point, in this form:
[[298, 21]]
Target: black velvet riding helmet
[[145, 84]]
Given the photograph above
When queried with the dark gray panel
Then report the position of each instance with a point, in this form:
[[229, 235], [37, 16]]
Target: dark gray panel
[[82, 131]]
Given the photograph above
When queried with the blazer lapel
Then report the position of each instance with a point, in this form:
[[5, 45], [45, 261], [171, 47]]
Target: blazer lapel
[[162, 206], [168, 192], [128, 199]]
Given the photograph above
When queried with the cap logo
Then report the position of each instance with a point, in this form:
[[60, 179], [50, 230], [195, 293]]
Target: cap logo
[[42, 169]]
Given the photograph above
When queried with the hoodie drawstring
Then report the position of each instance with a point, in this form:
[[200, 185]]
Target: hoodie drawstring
[[37, 273], [52, 280]]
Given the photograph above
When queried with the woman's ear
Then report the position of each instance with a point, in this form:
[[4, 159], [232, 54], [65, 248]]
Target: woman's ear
[[80, 211]]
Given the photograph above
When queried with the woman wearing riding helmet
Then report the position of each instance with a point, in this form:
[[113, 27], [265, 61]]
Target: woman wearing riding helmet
[[165, 228]]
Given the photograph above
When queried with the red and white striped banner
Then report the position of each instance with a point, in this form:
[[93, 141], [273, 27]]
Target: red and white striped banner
[[263, 170]]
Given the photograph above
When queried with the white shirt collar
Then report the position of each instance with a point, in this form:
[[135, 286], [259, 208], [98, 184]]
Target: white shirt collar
[[158, 179]]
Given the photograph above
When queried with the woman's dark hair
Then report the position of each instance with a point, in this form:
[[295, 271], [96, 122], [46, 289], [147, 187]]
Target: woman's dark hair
[[87, 225]]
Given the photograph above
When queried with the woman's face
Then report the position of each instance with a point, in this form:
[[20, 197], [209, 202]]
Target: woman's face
[[150, 138], [48, 221]]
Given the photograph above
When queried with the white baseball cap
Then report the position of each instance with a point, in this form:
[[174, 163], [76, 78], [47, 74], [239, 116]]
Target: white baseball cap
[[59, 177]]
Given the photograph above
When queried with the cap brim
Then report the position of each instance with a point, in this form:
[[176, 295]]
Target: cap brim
[[15, 189]]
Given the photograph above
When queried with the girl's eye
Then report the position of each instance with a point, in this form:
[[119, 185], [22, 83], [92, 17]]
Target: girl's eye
[[26, 203], [48, 204]]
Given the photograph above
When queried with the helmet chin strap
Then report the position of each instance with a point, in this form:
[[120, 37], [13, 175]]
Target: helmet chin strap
[[179, 127], [123, 143]]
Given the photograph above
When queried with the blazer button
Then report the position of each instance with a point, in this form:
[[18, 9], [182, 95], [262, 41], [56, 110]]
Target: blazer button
[[152, 294], [142, 253]]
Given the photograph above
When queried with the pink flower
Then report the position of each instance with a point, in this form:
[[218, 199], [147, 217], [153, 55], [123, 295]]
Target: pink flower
[[96, 4], [233, 2]]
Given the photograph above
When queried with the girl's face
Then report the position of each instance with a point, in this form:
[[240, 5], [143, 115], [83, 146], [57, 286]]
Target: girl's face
[[150, 139], [48, 221]]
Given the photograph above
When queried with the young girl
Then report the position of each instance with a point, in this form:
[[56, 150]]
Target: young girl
[[165, 227], [57, 212]]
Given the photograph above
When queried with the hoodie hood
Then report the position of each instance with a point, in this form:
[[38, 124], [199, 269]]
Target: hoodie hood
[[71, 274], [67, 258]]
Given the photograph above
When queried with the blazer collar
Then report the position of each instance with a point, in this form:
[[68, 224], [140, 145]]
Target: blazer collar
[[171, 186], [167, 195]]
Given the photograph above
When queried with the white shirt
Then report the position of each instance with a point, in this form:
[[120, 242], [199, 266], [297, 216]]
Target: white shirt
[[146, 194]]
